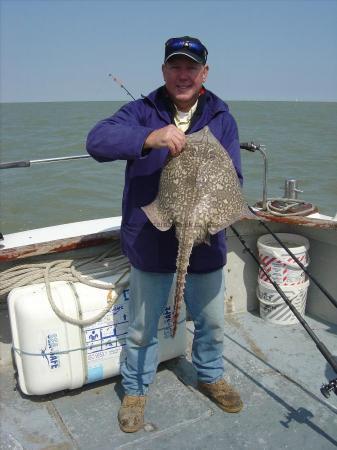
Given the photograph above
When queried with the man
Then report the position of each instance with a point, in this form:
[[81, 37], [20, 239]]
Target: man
[[144, 132]]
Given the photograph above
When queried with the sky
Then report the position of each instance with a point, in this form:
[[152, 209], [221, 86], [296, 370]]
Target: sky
[[57, 50]]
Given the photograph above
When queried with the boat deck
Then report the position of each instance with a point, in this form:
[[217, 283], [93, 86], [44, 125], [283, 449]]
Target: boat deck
[[277, 369]]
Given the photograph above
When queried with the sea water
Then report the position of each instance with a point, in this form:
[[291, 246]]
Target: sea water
[[300, 140]]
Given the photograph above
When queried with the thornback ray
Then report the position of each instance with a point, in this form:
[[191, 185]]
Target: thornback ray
[[200, 193]]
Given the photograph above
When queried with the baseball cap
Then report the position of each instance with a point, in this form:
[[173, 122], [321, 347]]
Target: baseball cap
[[187, 46]]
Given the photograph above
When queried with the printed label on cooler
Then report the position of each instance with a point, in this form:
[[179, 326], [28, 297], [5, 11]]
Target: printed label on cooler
[[106, 338]]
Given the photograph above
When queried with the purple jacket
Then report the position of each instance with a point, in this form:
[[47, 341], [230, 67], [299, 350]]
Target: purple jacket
[[122, 136]]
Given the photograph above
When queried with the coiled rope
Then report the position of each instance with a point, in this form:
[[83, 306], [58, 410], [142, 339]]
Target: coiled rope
[[110, 262], [282, 207]]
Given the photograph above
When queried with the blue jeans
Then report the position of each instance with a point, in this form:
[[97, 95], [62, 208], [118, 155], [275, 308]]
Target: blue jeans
[[149, 293]]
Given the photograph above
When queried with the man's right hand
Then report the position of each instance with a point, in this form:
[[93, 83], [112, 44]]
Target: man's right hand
[[169, 136]]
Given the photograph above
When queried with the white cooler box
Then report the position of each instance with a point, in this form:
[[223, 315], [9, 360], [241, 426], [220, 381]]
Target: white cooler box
[[52, 354]]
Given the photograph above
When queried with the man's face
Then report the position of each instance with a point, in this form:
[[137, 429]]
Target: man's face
[[183, 79]]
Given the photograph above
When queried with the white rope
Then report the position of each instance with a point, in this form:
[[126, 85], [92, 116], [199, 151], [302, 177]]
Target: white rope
[[67, 270]]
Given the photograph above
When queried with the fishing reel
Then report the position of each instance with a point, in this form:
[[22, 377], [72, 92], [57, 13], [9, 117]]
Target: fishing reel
[[327, 388]]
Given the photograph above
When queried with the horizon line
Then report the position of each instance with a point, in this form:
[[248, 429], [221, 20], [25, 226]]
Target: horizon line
[[127, 101]]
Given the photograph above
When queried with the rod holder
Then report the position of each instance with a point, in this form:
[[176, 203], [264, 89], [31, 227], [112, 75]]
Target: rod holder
[[252, 147]]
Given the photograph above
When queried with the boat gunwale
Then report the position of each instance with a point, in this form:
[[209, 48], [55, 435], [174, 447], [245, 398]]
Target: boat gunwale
[[90, 239]]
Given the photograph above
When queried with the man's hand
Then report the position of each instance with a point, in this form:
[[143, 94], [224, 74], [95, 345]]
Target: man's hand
[[169, 136]]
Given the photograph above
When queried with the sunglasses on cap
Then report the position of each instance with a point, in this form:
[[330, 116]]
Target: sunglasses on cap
[[191, 45]]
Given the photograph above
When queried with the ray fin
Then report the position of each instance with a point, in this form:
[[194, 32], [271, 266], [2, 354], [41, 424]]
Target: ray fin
[[157, 216]]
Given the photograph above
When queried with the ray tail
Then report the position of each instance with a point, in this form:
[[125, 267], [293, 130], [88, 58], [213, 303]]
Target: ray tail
[[184, 251]]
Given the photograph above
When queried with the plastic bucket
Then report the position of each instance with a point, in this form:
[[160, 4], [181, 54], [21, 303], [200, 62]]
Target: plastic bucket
[[272, 306], [279, 265]]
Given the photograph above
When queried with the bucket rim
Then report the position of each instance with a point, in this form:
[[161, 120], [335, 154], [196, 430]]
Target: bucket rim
[[290, 236]]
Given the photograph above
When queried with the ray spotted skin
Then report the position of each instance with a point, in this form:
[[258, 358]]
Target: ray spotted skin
[[199, 193]]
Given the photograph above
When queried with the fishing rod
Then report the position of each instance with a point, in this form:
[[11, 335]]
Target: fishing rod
[[327, 388], [332, 385], [29, 163], [120, 83]]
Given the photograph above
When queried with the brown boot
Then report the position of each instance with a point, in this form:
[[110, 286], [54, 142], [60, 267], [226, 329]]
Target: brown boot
[[131, 413], [223, 394]]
